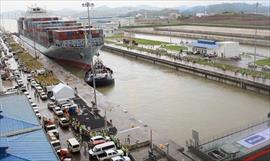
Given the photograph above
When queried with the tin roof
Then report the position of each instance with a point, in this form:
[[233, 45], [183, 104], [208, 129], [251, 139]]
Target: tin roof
[[203, 45], [38, 146], [21, 136]]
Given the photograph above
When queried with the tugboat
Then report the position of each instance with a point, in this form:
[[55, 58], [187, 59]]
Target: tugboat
[[103, 75]]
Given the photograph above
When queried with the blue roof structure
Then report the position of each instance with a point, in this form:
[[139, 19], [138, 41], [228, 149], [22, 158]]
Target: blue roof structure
[[21, 136], [207, 44]]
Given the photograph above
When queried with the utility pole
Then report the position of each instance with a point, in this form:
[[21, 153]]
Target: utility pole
[[255, 39], [87, 4]]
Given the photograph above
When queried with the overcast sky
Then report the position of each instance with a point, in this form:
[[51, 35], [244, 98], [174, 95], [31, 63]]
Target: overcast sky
[[9, 5]]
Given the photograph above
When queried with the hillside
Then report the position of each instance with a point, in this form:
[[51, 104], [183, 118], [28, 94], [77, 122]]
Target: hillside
[[227, 7]]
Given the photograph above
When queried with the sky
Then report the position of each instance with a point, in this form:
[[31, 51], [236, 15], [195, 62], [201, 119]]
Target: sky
[[10, 5]]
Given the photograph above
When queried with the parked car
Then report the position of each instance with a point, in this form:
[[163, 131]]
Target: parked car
[[51, 136], [51, 105], [64, 154], [108, 154], [120, 158], [63, 122], [19, 82], [98, 140], [73, 145], [33, 104], [101, 148], [57, 111], [43, 96], [23, 88], [56, 144], [38, 88], [29, 77], [33, 83], [52, 128]]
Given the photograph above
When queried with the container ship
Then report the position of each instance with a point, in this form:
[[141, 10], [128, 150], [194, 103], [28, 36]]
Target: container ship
[[65, 40]]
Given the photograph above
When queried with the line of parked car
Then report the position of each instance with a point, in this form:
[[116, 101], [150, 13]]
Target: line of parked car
[[50, 127], [102, 148]]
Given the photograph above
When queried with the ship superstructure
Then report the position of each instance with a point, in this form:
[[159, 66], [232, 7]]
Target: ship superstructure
[[65, 40]]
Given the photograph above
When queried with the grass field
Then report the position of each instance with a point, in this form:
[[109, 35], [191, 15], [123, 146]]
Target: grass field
[[263, 62], [173, 47], [47, 79]]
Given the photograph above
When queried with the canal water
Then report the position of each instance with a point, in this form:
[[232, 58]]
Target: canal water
[[173, 103]]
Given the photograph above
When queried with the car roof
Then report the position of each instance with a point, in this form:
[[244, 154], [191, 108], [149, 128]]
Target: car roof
[[105, 144], [55, 141], [110, 151], [97, 137], [73, 141], [116, 158]]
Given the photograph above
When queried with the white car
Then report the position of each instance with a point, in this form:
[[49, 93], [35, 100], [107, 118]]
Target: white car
[[57, 111], [109, 154], [29, 97], [35, 108], [33, 104], [20, 82], [99, 137], [38, 115], [26, 93], [56, 144], [43, 96], [34, 83], [63, 122], [52, 128], [121, 158]]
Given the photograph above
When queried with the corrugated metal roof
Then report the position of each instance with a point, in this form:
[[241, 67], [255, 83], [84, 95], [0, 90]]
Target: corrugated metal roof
[[11, 126], [18, 106], [31, 146], [8, 157], [26, 140], [203, 45]]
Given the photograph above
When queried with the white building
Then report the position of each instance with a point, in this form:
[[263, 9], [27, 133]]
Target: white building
[[228, 49], [224, 49]]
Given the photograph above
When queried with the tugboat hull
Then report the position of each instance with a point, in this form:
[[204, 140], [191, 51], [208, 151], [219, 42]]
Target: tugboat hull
[[101, 82]]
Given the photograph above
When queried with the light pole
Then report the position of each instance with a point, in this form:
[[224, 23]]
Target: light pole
[[87, 4], [255, 38]]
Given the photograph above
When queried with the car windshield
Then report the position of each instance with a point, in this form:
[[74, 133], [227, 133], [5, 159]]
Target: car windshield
[[65, 121], [51, 128], [97, 139], [56, 144]]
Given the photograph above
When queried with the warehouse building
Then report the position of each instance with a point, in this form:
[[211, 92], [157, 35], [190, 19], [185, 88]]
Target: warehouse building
[[224, 49], [22, 138]]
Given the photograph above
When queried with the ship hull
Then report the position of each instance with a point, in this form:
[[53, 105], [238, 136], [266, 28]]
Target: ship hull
[[78, 57]]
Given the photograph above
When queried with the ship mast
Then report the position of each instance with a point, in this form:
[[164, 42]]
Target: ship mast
[[87, 4]]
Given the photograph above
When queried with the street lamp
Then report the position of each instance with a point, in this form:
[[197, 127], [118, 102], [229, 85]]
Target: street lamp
[[91, 5], [255, 38]]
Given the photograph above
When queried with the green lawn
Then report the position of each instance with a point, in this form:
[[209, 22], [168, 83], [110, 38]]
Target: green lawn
[[149, 42], [116, 36], [263, 62], [173, 47], [138, 40]]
